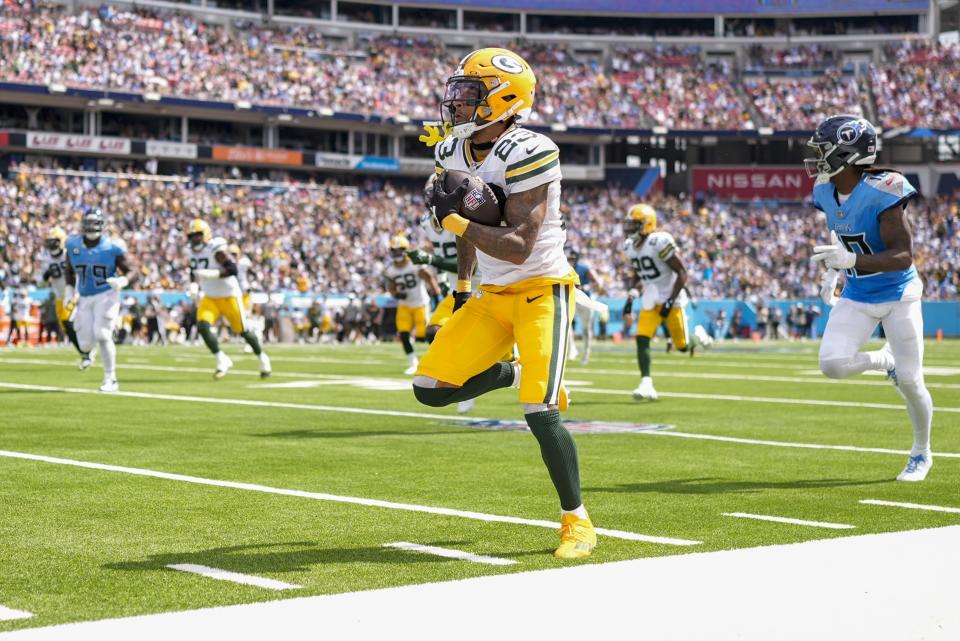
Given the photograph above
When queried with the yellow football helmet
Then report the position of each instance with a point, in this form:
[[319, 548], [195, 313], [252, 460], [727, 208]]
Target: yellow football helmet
[[199, 234], [398, 248], [489, 85], [234, 250], [56, 238], [641, 221]]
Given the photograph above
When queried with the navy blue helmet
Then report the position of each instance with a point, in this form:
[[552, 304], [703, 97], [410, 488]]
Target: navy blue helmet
[[93, 223], [841, 141]]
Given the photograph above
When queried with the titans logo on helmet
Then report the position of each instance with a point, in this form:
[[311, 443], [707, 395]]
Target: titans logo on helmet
[[850, 133]]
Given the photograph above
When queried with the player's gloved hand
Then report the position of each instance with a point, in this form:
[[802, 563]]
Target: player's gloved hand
[[667, 306], [207, 273], [828, 287], [400, 295], [436, 132], [420, 257], [118, 282], [460, 299], [445, 203], [194, 289], [835, 255], [69, 296]]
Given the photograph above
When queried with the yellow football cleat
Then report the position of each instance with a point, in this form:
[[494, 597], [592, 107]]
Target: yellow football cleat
[[577, 538]]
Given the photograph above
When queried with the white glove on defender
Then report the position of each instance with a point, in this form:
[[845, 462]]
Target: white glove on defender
[[118, 282], [835, 255], [828, 287]]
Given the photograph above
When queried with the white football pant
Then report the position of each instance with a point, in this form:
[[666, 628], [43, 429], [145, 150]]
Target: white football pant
[[95, 318], [851, 324]]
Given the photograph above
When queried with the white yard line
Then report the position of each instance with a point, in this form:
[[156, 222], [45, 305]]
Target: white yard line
[[322, 496], [835, 584], [912, 506], [233, 577], [449, 554], [784, 519], [815, 378], [452, 417], [9, 614], [761, 399], [806, 446]]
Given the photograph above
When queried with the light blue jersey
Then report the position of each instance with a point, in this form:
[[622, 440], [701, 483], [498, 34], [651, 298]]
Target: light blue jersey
[[857, 224], [94, 265], [583, 272]]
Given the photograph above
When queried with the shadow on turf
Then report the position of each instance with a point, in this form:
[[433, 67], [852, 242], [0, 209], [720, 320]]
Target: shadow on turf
[[723, 486], [296, 556]]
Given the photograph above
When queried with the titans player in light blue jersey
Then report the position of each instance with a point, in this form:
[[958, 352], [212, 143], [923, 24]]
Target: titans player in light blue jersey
[[97, 266], [871, 243]]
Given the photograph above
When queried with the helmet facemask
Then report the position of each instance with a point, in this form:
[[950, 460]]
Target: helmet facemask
[[829, 161], [53, 245], [92, 226], [196, 240], [398, 254], [472, 92]]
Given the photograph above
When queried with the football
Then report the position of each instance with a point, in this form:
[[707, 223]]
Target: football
[[480, 203]]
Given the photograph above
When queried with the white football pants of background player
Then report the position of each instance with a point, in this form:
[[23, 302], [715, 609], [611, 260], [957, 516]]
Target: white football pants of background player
[[95, 319], [851, 324]]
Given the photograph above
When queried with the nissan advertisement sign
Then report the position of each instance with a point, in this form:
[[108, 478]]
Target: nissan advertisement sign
[[746, 183]]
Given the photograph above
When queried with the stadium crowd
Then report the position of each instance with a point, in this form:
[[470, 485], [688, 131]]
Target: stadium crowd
[[390, 75], [324, 238]]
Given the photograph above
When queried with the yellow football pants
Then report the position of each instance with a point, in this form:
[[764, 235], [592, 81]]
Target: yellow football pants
[[676, 321], [443, 312], [537, 319], [230, 307], [64, 312], [409, 318]]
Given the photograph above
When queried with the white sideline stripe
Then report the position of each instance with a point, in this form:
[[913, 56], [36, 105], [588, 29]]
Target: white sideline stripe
[[761, 399], [784, 519], [814, 378], [808, 446], [302, 375], [233, 577], [9, 614], [322, 496], [454, 417], [912, 506], [449, 554]]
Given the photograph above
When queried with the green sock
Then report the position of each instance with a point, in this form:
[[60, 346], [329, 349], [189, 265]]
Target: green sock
[[497, 376], [643, 355], [72, 335], [252, 341], [559, 453], [208, 337]]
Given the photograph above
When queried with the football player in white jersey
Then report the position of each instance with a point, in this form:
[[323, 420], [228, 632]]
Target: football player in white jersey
[[661, 278], [527, 287], [53, 266], [216, 272], [408, 283]]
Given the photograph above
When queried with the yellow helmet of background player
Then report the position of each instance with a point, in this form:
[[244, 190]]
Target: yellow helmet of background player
[[199, 233], [641, 221], [398, 248], [56, 237], [494, 85], [234, 250]]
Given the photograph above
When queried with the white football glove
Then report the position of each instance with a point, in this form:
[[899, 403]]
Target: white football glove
[[835, 255], [194, 289], [118, 282], [828, 287]]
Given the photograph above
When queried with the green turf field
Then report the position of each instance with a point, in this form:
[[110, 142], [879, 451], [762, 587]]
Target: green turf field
[[86, 543]]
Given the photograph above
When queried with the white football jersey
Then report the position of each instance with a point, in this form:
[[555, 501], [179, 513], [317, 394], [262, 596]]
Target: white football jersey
[[407, 279], [521, 160], [444, 246], [58, 270], [206, 259], [649, 262]]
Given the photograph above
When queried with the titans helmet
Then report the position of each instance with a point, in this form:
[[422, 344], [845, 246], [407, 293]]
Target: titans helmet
[[841, 141], [93, 223]]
